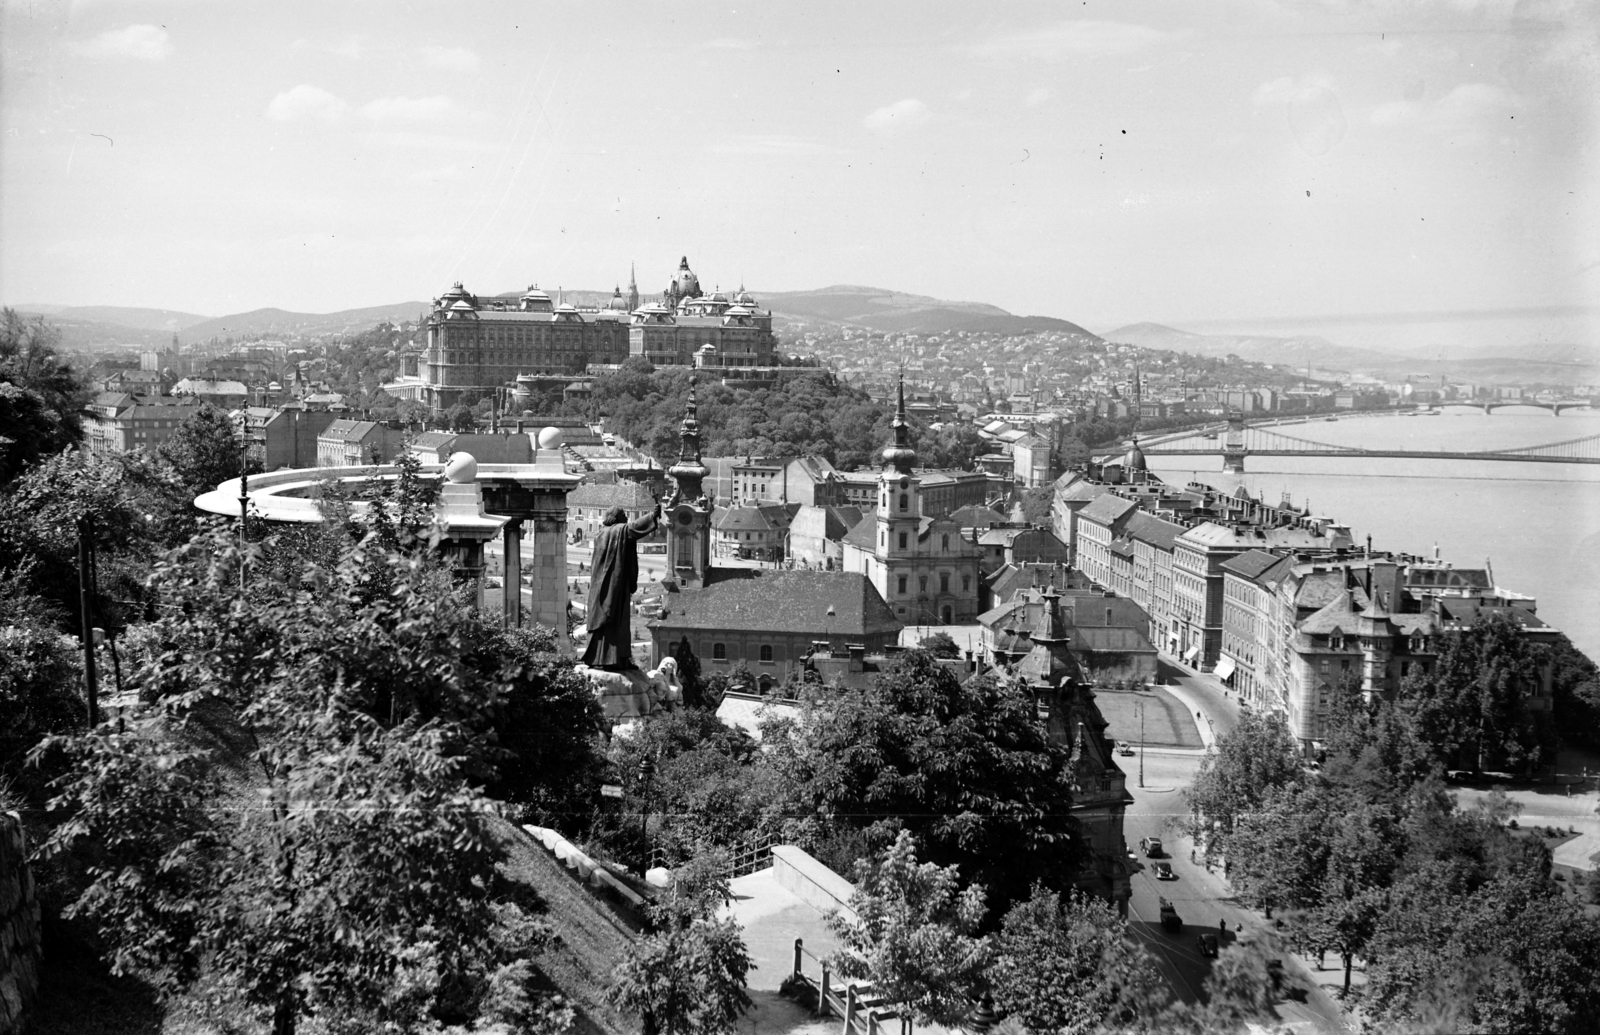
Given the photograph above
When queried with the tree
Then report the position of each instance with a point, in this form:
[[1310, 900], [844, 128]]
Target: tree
[[205, 450], [366, 880], [966, 766], [940, 645], [1256, 755], [1471, 708], [41, 396], [914, 935], [1279, 852], [688, 976], [1069, 965]]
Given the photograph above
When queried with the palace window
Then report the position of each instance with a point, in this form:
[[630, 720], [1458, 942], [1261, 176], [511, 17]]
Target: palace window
[[719, 652], [766, 652], [902, 540], [922, 584], [966, 583], [900, 584], [944, 583]]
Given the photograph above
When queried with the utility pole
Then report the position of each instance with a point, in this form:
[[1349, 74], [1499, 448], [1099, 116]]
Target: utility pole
[[86, 604], [1141, 743], [244, 515]]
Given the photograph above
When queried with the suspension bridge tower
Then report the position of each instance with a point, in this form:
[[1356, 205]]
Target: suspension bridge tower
[[1233, 445]]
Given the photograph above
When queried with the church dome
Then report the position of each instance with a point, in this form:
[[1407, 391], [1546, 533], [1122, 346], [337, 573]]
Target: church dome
[[685, 280], [617, 301], [534, 294], [743, 298], [1134, 460]]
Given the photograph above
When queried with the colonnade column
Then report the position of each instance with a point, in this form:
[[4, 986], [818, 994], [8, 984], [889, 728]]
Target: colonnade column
[[513, 574]]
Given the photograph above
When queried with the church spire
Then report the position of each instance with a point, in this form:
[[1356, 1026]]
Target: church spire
[[688, 473], [900, 455]]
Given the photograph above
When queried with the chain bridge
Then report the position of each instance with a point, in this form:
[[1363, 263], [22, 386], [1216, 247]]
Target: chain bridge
[[1236, 439]]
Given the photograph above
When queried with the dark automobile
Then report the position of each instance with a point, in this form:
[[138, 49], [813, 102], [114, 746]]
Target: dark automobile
[[1208, 945], [1169, 917], [1151, 846], [1164, 871]]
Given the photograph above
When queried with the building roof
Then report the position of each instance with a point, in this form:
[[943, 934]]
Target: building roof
[[348, 430], [1106, 510], [1147, 528], [624, 493], [977, 516], [832, 523], [787, 602], [754, 517], [1251, 563], [200, 386]]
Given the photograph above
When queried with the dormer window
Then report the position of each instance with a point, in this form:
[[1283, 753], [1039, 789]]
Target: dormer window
[[1336, 641]]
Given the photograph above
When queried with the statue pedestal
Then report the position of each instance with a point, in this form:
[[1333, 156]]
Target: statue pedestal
[[623, 695]]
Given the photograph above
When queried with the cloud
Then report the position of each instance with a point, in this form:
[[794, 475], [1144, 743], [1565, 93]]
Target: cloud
[[771, 144], [1315, 116], [1289, 91], [407, 109], [1461, 116], [1065, 39], [451, 59], [899, 115], [139, 42], [306, 103], [1037, 96]]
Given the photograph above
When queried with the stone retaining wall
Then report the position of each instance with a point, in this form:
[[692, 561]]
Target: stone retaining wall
[[19, 927]]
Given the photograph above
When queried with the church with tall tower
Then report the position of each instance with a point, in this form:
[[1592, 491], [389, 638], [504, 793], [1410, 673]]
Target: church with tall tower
[[923, 567]]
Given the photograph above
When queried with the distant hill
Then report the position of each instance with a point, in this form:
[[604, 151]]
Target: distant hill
[[124, 316], [281, 321], [1320, 353], [1537, 363], [896, 312]]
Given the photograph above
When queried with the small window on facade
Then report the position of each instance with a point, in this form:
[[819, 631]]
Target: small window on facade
[[766, 652], [902, 540], [966, 583], [719, 652], [903, 501], [900, 584], [922, 583], [944, 542], [944, 583]]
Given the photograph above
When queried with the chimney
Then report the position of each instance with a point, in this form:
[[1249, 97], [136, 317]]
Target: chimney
[[858, 656]]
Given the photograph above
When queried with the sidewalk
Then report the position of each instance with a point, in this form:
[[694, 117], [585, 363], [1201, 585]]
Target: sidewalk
[[1208, 736]]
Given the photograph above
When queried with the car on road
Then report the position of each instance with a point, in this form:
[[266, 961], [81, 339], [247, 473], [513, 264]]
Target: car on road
[[1164, 871], [1208, 945], [1151, 847], [1124, 748], [1170, 920]]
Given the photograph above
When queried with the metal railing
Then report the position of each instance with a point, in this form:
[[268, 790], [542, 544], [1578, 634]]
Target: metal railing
[[856, 1003], [744, 858]]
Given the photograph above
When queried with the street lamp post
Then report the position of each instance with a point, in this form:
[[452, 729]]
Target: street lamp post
[[1141, 743]]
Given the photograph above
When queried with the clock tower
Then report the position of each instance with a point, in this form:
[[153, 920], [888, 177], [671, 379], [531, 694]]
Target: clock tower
[[688, 511]]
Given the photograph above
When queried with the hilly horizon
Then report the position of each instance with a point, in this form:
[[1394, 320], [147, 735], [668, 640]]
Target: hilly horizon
[[884, 311], [1552, 363]]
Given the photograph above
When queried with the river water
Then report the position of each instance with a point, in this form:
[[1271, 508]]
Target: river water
[[1538, 525]]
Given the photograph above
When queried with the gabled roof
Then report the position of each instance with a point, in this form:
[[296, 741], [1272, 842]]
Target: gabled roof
[[746, 519], [977, 516], [348, 430], [786, 602], [864, 535]]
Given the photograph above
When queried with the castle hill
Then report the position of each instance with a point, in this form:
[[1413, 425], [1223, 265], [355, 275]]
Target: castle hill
[[562, 620]]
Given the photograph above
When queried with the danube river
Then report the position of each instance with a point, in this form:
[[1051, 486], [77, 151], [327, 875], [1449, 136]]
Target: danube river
[[1538, 525]]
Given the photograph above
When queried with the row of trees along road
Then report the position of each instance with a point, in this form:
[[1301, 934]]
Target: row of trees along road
[[1454, 910]]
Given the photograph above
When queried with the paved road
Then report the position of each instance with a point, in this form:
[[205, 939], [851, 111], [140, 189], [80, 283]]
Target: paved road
[[1200, 897]]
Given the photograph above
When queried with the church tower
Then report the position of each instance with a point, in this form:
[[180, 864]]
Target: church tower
[[688, 511], [899, 491], [633, 288]]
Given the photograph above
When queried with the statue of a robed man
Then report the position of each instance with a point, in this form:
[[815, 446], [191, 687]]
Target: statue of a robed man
[[613, 581]]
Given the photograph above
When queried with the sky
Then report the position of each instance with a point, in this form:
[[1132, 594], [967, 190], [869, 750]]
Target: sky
[[1180, 162]]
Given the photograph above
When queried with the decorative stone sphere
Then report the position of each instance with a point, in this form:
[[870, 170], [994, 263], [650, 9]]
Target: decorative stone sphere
[[462, 468], [550, 438]]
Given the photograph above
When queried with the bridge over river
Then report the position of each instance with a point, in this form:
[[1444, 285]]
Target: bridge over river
[[1238, 439]]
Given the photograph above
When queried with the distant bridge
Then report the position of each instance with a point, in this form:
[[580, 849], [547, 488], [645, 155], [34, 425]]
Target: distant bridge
[[1236, 440], [1555, 406]]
